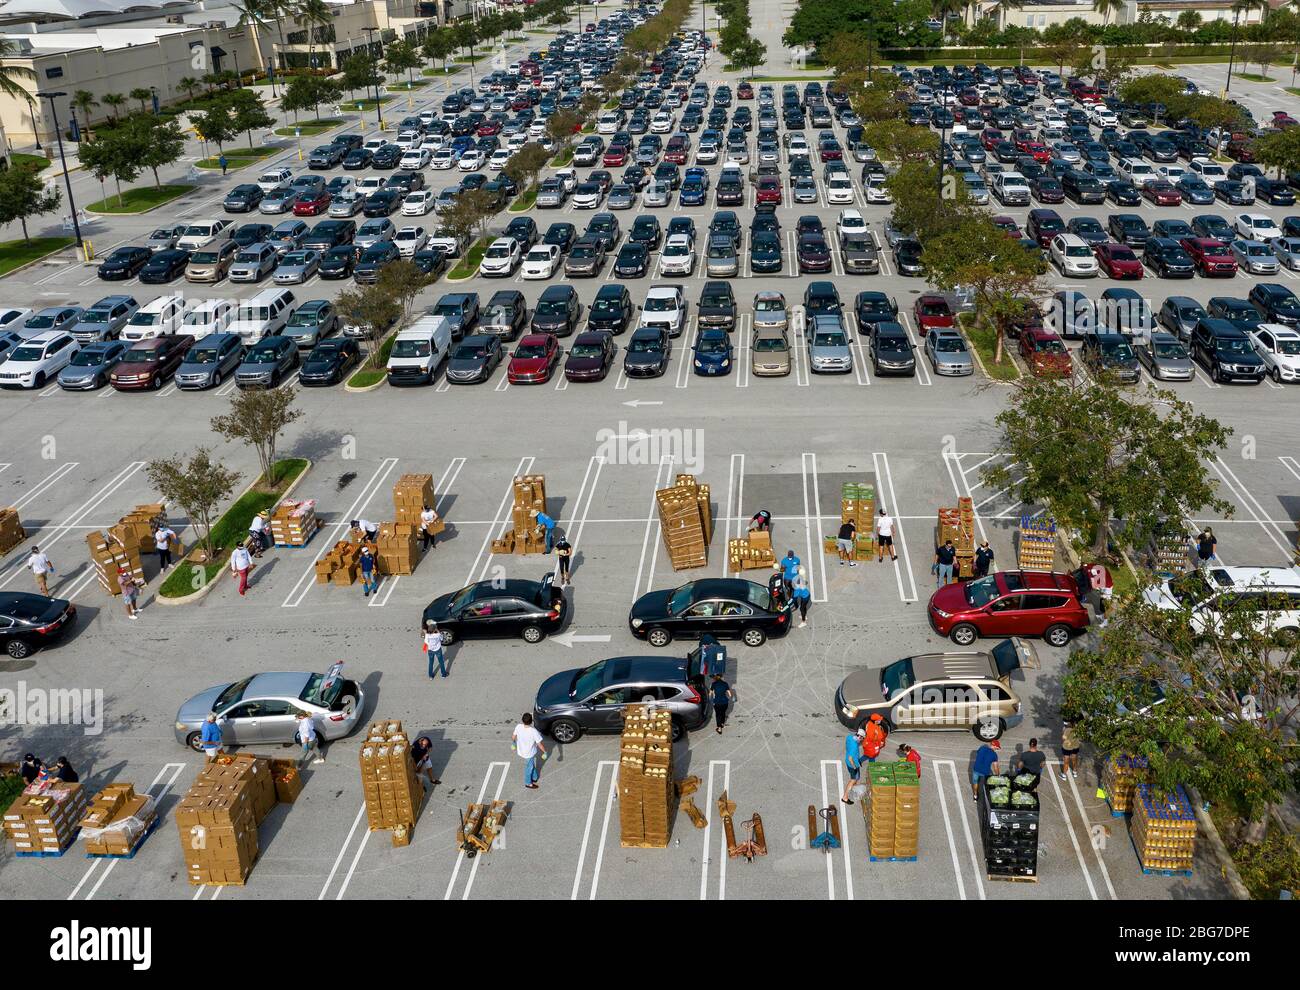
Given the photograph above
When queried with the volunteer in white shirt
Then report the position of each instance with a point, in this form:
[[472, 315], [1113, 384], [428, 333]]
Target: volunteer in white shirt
[[527, 742], [433, 646], [257, 531], [308, 737], [41, 568], [240, 564], [885, 536], [162, 541], [427, 518], [367, 527]]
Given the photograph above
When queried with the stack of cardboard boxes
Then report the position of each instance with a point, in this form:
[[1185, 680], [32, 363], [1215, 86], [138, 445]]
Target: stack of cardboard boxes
[[526, 535], [857, 504], [893, 810], [118, 818], [11, 530], [397, 548], [1036, 549], [108, 554], [294, 522], [218, 818], [43, 822], [1164, 830], [751, 552], [958, 525], [1120, 776], [410, 495], [140, 522], [646, 791], [687, 522], [338, 565], [392, 788]]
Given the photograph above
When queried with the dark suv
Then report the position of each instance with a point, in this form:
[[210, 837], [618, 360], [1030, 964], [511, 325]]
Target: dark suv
[[611, 310], [557, 311], [1226, 352], [1112, 355], [891, 351], [1276, 303], [1167, 258], [1043, 225], [717, 306]]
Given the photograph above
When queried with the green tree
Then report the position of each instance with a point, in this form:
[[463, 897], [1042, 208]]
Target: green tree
[[308, 93], [248, 113], [142, 95], [158, 141], [23, 195], [216, 124], [1227, 724], [438, 46], [11, 74], [1279, 150], [360, 72], [259, 418], [199, 486], [467, 37], [189, 85], [561, 125], [1063, 52], [1094, 451], [373, 309], [84, 100], [898, 141], [253, 15], [469, 214], [1107, 7], [114, 102], [113, 153], [400, 57], [749, 54], [1189, 20], [526, 164], [1268, 54]]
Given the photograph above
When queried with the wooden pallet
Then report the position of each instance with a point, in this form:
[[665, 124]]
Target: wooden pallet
[[643, 845], [153, 827], [892, 859], [51, 855], [1012, 879]]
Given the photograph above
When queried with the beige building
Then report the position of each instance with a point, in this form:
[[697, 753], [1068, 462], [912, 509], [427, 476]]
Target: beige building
[[1040, 15], [102, 47]]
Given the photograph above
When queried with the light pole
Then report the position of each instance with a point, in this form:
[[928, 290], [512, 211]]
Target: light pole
[[943, 135], [67, 179], [370, 54], [1232, 51], [239, 76]]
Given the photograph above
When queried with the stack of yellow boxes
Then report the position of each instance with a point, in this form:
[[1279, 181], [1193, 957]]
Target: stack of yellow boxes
[[526, 535], [686, 520], [857, 504], [751, 552], [1164, 830], [338, 565], [1120, 776], [1036, 550], [11, 530], [108, 553], [392, 789], [646, 791], [218, 818], [892, 811], [293, 522], [45, 823], [116, 820], [958, 525]]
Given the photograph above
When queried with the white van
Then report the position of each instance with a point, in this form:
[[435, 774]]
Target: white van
[[209, 316], [419, 350], [1011, 189], [263, 315], [164, 316]]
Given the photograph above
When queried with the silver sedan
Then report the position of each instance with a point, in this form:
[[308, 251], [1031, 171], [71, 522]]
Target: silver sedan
[[1287, 252], [296, 267], [1165, 358], [948, 354]]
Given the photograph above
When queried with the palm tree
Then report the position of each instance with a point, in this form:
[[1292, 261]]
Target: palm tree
[[83, 100], [189, 84], [1107, 7], [141, 94], [115, 102], [10, 74], [314, 14], [253, 14]]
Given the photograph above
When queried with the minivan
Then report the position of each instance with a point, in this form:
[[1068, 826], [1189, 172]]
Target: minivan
[[266, 313], [162, 316]]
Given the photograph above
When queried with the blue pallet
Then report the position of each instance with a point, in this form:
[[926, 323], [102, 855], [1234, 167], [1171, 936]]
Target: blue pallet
[[892, 859], [298, 546], [51, 855], [1155, 873], [1114, 813], [134, 849]]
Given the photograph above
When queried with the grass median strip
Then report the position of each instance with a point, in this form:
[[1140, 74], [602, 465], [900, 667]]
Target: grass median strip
[[983, 340], [231, 528], [310, 128], [376, 366], [140, 199], [240, 157], [468, 265], [526, 201], [15, 254]]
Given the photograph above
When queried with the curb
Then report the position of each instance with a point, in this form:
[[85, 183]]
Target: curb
[[358, 389], [979, 361], [40, 260], [203, 592], [1219, 848], [138, 213]]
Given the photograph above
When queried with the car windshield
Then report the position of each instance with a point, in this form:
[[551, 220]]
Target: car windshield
[[96, 315], [201, 355], [377, 253], [231, 694], [411, 348], [645, 345], [892, 345], [589, 681], [771, 344], [1118, 352], [712, 345], [1232, 345], [1051, 346], [197, 230], [1288, 346], [530, 351], [263, 355], [586, 351], [949, 345], [583, 251], [41, 321], [769, 306], [1078, 251], [296, 258], [981, 591], [87, 359], [1170, 351], [661, 304], [829, 338], [140, 356], [553, 307], [897, 678], [470, 352]]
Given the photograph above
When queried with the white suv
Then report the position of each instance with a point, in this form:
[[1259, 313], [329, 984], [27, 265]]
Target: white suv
[[158, 318], [1271, 594], [38, 359], [501, 258], [1278, 347], [1072, 256], [1136, 171], [665, 306]]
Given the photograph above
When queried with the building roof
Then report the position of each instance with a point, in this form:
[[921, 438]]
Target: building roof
[[78, 8]]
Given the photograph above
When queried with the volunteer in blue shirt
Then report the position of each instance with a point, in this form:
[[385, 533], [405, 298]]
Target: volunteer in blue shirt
[[210, 737], [986, 764], [852, 763], [544, 520], [789, 571], [722, 697]]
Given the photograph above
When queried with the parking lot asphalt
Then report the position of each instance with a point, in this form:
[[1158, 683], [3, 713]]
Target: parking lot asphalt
[[76, 462]]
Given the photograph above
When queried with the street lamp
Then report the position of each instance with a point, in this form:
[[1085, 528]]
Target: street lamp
[[943, 134], [1232, 51], [239, 76], [67, 178], [370, 53]]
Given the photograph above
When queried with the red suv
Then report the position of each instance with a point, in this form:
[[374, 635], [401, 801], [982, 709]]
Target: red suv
[[932, 313], [768, 190], [1045, 352], [1011, 603], [1211, 257]]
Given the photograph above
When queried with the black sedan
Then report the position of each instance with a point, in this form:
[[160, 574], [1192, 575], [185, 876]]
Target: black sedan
[[431, 261], [29, 622], [382, 203], [123, 263], [358, 158], [475, 358], [329, 361], [165, 266], [907, 257], [730, 608], [243, 198], [1123, 193], [338, 262], [387, 157], [647, 352], [530, 609], [633, 261]]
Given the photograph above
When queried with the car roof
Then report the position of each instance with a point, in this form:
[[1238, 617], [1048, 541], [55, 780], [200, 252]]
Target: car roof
[[276, 685], [1258, 577]]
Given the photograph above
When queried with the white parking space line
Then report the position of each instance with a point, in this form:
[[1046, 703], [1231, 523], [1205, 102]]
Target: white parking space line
[[921, 369], [940, 782], [830, 800], [586, 832], [733, 511], [1096, 847], [812, 525], [885, 480], [1251, 504], [307, 581], [356, 822], [1292, 465], [743, 346], [45, 484], [650, 546], [493, 767], [962, 489], [797, 350], [710, 812], [498, 522], [792, 256], [959, 790], [1050, 774], [685, 354]]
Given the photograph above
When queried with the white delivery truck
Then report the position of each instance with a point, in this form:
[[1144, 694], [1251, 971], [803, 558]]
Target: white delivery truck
[[419, 350]]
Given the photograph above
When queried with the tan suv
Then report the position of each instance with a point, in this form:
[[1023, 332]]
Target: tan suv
[[770, 355], [211, 263], [941, 691]]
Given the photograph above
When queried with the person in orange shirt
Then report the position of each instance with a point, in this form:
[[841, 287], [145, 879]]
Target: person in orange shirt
[[906, 752]]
